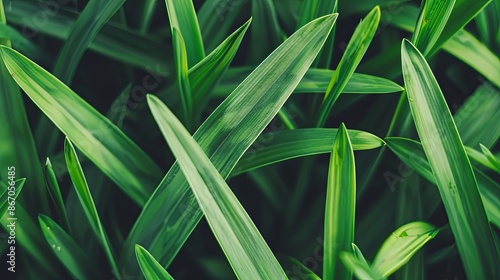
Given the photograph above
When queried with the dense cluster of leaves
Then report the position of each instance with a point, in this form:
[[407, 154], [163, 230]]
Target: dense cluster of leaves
[[300, 137]]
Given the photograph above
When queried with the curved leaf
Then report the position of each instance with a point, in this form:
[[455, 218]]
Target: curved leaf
[[99, 139], [225, 136], [239, 238], [451, 167], [150, 267]]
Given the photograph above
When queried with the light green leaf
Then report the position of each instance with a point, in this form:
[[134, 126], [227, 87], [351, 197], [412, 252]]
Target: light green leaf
[[463, 12], [150, 267], [355, 50], [491, 158], [82, 189], [359, 266], [239, 238], [455, 179], [401, 245], [182, 17], [99, 139], [432, 19], [55, 194], [207, 73], [340, 206], [67, 250], [278, 146], [474, 53], [225, 136], [314, 81], [181, 65]]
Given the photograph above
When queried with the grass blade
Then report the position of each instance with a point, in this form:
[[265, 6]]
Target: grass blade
[[314, 81], [401, 245], [288, 144], [181, 65], [464, 46], [225, 136], [450, 164], [66, 249], [340, 206], [412, 154], [100, 140], [55, 195], [150, 267], [82, 189], [358, 266], [433, 17], [356, 48], [182, 17], [463, 12], [244, 247], [495, 163], [90, 21], [207, 73]]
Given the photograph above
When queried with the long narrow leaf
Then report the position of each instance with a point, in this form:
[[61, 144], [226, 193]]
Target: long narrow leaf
[[182, 17], [100, 140], [245, 248], [181, 66], [278, 146], [67, 250], [340, 206], [55, 194], [225, 136], [82, 189], [355, 50], [451, 167], [315, 81], [401, 245], [150, 267]]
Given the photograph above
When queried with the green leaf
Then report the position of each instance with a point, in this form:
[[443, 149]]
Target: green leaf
[[315, 81], [359, 266], [432, 19], [239, 238], [491, 158], [9, 196], [356, 48], [67, 250], [306, 273], [278, 146], [474, 53], [412, 154], [182, 16], [340, 206], [463, 12], [225, 136], [150, 267], [55, 194], [207, 73], [90, 21], [477, 119], [181, 65], [82, 189], [401, 245], [100, 140], [455, 179]]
